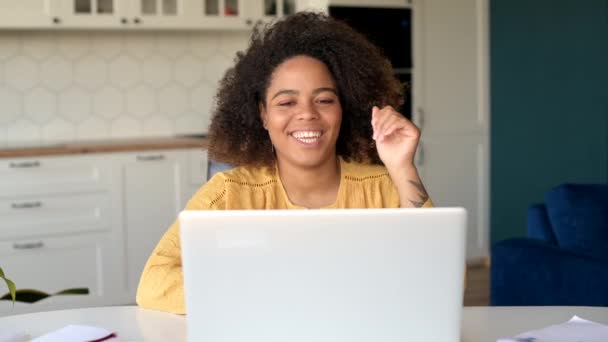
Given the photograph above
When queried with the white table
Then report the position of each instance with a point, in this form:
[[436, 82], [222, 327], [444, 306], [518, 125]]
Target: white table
[[134, 324]]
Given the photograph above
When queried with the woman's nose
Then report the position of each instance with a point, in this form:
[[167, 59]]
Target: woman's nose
[[307, 111]]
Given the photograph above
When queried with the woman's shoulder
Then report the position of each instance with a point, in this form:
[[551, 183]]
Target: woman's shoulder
[[212, 195], [248, 176], [362, 172]]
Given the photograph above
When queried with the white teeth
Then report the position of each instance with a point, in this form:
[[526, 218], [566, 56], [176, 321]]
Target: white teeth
[[306, 134]]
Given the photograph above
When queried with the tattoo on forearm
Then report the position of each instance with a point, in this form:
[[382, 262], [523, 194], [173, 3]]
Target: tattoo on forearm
[[421, 192]]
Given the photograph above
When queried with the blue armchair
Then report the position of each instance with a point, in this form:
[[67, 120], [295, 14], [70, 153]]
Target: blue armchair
[[564, 258]]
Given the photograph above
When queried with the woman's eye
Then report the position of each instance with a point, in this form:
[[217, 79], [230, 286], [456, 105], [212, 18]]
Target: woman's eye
[[326, 101], [286, 103]]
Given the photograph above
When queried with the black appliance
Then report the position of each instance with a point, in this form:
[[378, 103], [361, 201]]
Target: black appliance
[[391, 30]]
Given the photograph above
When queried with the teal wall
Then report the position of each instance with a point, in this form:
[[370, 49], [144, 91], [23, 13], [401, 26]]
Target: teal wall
[[549, 95]]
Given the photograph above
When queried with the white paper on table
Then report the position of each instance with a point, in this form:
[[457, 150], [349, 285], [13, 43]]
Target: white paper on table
[[575, 330], [14, 336], [77, 333]]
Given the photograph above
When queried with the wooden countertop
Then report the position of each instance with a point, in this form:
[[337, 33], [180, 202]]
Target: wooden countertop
[[102, 146]]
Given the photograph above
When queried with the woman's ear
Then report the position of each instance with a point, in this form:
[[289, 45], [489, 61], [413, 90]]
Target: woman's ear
[[263, 114]]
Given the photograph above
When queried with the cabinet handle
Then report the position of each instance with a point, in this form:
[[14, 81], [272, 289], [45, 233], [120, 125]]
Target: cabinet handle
[[248, 22], [151, 157], [420, 154], [27, 205], [137, 21], [24, 165], [124, 21], [28, 245], [420, 118], [56, 20]]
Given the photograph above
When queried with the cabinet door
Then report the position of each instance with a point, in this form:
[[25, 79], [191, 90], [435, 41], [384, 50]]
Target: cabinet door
[[322, 5], [160, 14], [198, 173], [269, 10], [153, 198], [51, 265], [26, 13], [48, 215], [455, 174], [450, 66], [223, 14], [53, 175], [94, 13], [451, 108]]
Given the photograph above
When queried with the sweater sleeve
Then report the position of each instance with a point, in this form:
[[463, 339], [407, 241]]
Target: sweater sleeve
[[161, 284]]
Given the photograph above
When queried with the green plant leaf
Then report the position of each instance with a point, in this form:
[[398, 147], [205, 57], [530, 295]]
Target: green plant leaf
[[32, 296], [27, 296], [75, 291], [11, 286]]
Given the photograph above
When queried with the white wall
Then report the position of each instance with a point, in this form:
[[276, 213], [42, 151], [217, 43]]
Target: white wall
[[96, 85]]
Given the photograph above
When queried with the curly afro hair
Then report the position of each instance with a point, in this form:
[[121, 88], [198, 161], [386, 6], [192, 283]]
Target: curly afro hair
[[363, 75]]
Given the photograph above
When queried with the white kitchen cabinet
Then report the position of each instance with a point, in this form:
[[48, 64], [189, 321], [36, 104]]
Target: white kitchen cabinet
[[223, 14], [367, 3], [57, 175], [199, 172], [60, 228], [153, 198], [450, 80], [54, 264], [155, 14], [92, 13], [157, 186], [89, 220], [27, 13], [53, 215], [124, 14], [454, 172], [148, 14], [268, 10]]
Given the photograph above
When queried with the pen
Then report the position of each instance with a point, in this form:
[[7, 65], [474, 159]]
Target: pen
[[112, 335]]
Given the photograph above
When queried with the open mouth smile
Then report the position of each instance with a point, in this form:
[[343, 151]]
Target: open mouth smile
[[307, 137]]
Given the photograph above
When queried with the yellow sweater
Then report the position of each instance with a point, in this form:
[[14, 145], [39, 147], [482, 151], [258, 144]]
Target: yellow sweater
[[161, 283]]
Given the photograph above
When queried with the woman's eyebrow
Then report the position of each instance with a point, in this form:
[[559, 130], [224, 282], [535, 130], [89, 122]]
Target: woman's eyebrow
[[295, 92], [320, 90], [285, 91]]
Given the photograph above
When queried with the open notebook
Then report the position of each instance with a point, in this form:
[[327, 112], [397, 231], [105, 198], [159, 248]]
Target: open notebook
[[575, 330], [70, 333]]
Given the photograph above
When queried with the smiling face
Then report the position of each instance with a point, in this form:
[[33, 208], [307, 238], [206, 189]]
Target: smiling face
[[302, 112]]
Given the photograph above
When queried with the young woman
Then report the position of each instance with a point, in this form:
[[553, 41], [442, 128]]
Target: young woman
[[307, 114]]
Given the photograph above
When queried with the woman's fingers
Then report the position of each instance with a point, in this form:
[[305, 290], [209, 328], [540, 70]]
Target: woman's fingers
[[375, 113], [395, 126], [387, 121], [390, 121], [379, 116], [383, 119]]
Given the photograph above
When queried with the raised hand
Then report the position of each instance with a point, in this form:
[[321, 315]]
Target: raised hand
[[396, 138]]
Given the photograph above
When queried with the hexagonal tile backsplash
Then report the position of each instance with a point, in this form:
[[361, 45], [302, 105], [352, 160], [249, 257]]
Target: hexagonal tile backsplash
[[76, 85]]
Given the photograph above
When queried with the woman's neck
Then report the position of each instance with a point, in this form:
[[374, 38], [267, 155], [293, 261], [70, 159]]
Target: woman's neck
[[311, 187]]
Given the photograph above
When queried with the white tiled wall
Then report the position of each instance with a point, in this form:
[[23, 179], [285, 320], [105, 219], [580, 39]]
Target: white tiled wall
[[96, 85]]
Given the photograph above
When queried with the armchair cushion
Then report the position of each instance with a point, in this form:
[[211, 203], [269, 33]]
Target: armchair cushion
[[533, 272], [579, 217], [539, 226]]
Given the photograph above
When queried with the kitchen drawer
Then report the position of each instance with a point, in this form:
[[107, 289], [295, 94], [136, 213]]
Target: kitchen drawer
[[20, 176], [44, 215], [54, 264]]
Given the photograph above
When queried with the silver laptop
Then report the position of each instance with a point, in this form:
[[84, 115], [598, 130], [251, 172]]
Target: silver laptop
[[376, 275]]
